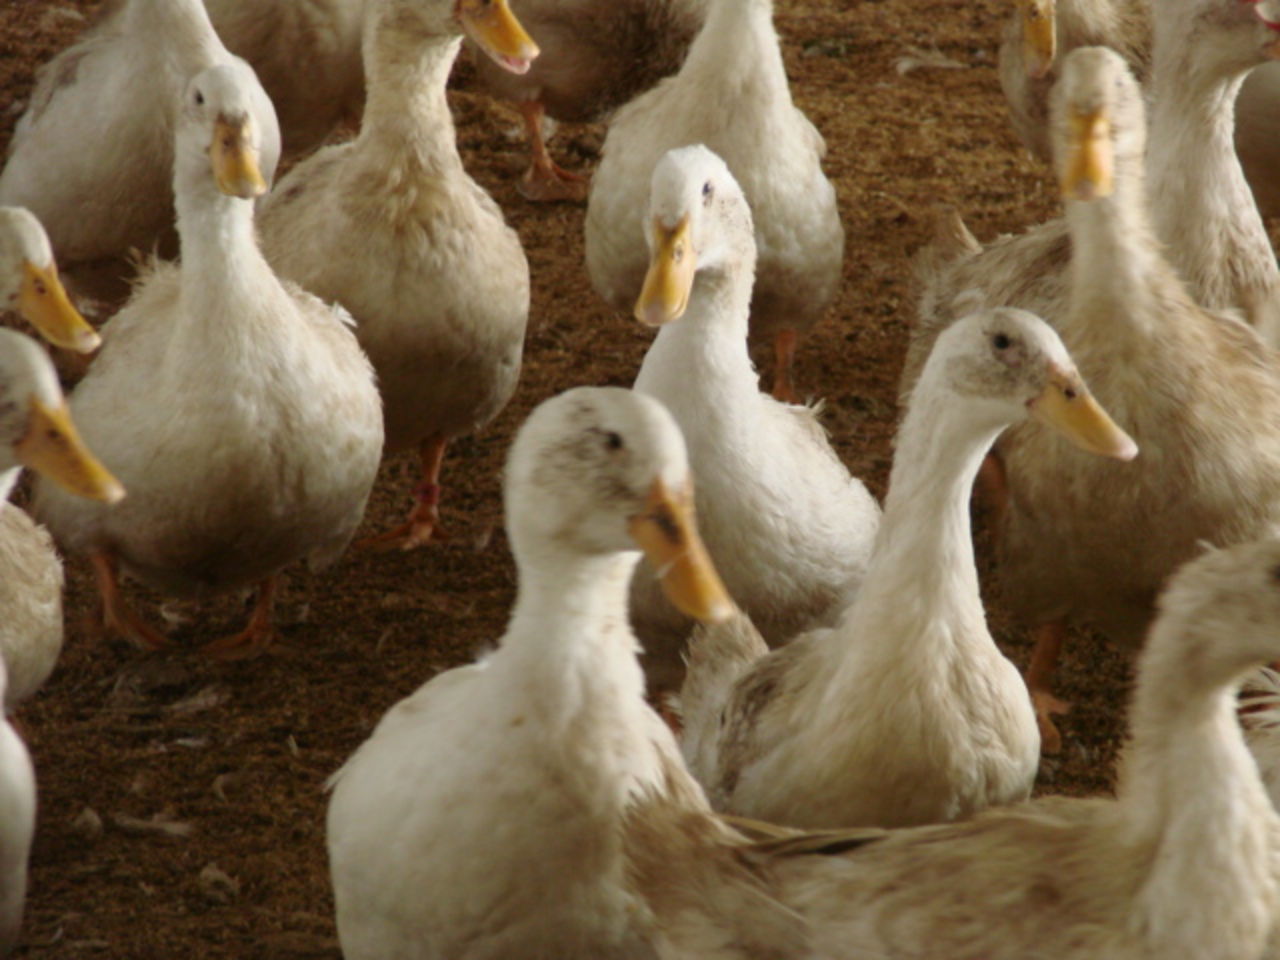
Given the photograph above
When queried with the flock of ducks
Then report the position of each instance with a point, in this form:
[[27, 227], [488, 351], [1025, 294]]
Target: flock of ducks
[[854, 754]]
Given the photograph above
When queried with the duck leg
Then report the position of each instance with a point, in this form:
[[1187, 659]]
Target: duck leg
[[423, 523], [257, 634], [784, 357], [545, 180], [117, 615], [1044, 658]]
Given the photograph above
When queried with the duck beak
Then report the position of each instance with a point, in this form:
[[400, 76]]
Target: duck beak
[[43, 302], [1067, 406], [1090, 159], [1039, 39], [668, 535], [235, 160], [492, 25], [53, 448], [667, 285]]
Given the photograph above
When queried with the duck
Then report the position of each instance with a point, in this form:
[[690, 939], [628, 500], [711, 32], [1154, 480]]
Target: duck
[[731, 95], [307, 56], [904, 712], [237, 409], [1041, 32], [1213, 167], [92, 156], [31, 576], [439, 284], [787, 526], [597, 57], [35, 432], [17, 828], [1101, 277], [1180, 863], [501, 785], [30, 286]]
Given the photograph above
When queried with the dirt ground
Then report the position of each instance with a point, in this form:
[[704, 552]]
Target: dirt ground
[[181, 802]]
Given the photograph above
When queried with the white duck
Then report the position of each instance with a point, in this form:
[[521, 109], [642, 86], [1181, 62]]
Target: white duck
[[92, 157], [307, 56], [597, 55], [1182, 863], [731, 95], [17, 827], [500, 787], [35, 431], [786, 525], [239, 411], [439, 284], [905, 712]]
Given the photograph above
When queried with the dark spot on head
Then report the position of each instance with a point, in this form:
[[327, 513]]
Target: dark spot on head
[[613, 440]]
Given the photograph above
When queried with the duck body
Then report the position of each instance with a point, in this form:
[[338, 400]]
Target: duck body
[[31, 582], [501, 786], [17, 829], [731, 95], [439, 285], [789, 529], [240, 409], [307, 55], [118, 89]]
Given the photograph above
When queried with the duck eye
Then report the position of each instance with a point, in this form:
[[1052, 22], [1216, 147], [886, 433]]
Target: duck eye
[[613, 440], [707, 191], [199, 99], [1001, 341]]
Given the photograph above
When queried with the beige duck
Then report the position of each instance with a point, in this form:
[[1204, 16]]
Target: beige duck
[[1095, 554], [501, 786], [732, 96], [787, 526], [238, 410], [596, 56], [438, 284], [35, 431], [1182, 863], [1208, 164], [92, 157], [905, 712]]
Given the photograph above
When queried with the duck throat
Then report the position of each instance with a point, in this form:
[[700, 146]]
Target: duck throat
[[406, 110], [737, 49]]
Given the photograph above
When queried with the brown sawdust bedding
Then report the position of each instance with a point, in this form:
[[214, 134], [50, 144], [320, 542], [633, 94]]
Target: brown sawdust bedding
[[223, 763]]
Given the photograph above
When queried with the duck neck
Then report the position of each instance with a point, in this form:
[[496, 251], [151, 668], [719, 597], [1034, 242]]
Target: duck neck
[[224, 275], [1115, 257], [1203, 206], [707, 346], [924, 547], [569, 635], [407, 67], [1190, 790], [737, 49]]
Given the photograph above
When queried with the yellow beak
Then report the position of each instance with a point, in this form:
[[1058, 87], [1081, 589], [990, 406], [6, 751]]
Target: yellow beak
[[668, 535], [53, 448], [1067, 406], [495, 28], [1039, 39], [43, 303], [1090, 159], [235, 160], [667, 285]]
